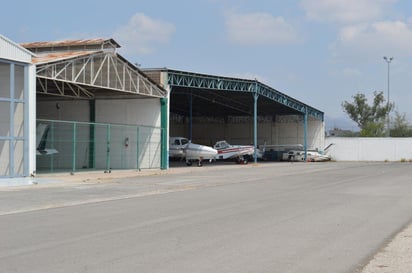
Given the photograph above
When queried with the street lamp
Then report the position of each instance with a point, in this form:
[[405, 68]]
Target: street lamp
[[388, 60]]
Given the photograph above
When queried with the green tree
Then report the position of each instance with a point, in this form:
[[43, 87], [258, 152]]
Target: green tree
[[369, 118], [373, 129], [400, 126]]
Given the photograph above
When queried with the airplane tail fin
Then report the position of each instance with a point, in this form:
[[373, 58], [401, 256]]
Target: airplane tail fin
[[42, 130], [327, 147]]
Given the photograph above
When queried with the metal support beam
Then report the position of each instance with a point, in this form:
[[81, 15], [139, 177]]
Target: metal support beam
[[305, 134], [255, 114], [209, 82], [92, 133], [101, 70], [190, 133], [164, 139]]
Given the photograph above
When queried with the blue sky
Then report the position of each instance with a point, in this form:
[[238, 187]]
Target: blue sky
[[321, 52]]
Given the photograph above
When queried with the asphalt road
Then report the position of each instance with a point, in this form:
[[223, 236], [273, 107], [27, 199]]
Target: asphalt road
[[300, 217]]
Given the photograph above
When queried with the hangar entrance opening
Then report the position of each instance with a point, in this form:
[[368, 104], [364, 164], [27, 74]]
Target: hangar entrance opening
[[95, 110], [209, 108]]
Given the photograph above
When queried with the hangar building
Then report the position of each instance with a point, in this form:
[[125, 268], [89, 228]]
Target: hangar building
[[209, 108], [94, 110]]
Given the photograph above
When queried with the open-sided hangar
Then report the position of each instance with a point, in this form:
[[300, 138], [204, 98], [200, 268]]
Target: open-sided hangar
[[208, 108], [99, 111]]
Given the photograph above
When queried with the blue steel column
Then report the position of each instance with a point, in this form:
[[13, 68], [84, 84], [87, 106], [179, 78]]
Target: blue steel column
[[305, 132], [190, 116], [164, 117], [255, 98]]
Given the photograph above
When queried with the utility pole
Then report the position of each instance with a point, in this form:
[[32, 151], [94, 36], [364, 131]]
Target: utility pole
[[388, 60]]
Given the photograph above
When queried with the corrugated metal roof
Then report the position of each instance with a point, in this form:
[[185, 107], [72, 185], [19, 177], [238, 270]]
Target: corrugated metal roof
[[67, 43], [53, 57]]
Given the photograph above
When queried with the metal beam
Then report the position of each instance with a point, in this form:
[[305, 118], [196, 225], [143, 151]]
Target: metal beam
[[201, 81], [255, 122], [104, 70]]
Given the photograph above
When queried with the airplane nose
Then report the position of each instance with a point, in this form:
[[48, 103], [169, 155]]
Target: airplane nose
[[211, 151]]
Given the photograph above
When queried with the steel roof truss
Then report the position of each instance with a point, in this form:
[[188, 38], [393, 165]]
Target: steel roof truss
[[63, 89], [193, 80], [100, 70]]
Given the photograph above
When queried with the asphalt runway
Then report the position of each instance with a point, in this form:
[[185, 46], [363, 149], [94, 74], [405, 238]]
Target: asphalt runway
[[269, 217]]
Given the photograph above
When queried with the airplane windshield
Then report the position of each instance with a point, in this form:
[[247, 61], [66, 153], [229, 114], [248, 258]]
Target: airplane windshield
[[184, 141]]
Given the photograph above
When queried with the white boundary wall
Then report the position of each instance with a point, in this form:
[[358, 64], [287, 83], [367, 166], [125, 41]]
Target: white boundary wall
[[370, 149]]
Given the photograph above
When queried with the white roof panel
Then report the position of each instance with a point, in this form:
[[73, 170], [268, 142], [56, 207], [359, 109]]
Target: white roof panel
[[9, 50]]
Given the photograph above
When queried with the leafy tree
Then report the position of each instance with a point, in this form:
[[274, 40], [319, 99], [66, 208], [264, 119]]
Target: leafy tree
[[373, 129], [400, 126], [369, 118]]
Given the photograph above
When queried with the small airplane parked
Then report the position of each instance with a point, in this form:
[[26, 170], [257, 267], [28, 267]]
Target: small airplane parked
[[176, 146], [182, 148], [42, 131], [238, 152], [311, 155]]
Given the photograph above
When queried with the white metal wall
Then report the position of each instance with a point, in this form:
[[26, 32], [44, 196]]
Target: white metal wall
[[17, 110], [146, 112], [130, 111], [69, 110], [290, 130], [285, 130], [11, 51], [370, 149]]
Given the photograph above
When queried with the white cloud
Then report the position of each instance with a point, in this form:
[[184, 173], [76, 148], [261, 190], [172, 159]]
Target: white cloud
[[142, 34], [376, 39], [259, 29], [351, 72], [345, 11]]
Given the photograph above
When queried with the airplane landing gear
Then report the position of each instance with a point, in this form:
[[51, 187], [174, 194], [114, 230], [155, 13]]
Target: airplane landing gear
[[241, 160], [190, 163]]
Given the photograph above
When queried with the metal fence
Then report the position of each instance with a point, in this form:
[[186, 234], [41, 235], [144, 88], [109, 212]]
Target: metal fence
[[82, 146]]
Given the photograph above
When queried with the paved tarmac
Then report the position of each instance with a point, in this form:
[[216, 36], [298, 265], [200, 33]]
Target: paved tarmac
[[65, 190]]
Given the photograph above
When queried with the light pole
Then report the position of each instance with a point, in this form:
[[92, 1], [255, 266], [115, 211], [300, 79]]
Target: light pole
[[388, 60]]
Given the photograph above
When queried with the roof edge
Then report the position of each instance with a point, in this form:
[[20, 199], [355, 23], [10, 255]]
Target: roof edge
[[7, 40], [73, 42]]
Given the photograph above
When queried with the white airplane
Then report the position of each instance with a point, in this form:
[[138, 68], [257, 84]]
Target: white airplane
[[238, 152], [311, 155], [182, 148], [42, 131], [176, 146]]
